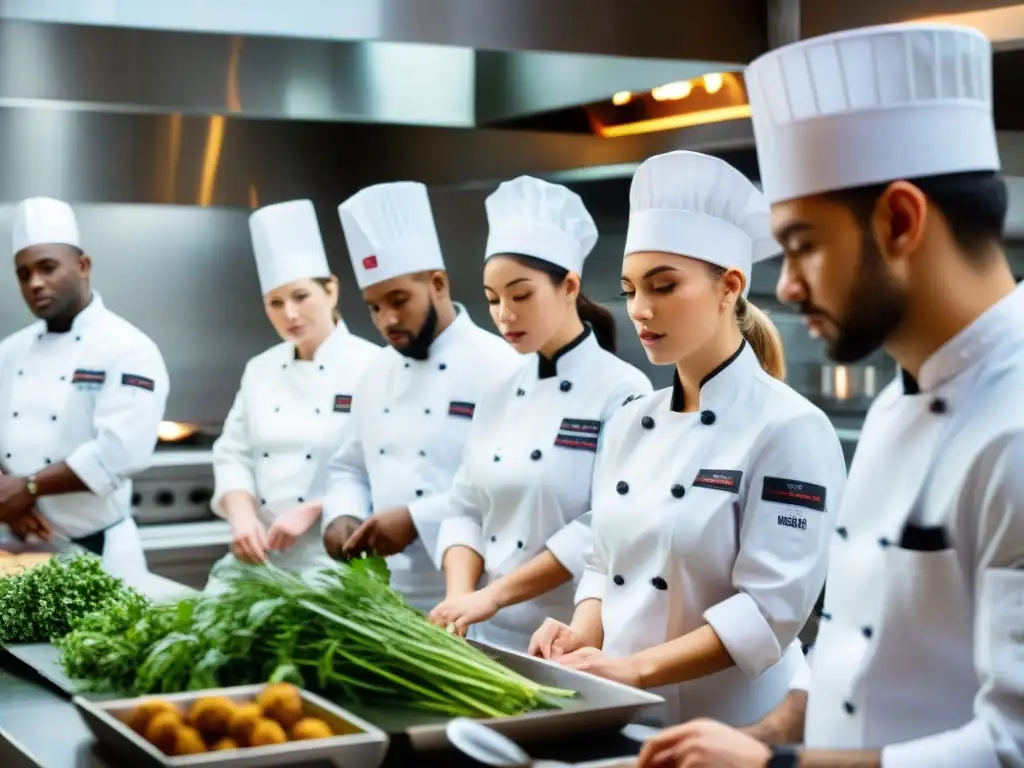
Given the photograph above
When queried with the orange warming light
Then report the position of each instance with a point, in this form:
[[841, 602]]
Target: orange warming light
[[672, 91], [673, 122], [621, 98], [713, 82]]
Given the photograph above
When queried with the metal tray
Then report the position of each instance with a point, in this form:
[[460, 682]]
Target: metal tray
[[602, 705], [366, 749]]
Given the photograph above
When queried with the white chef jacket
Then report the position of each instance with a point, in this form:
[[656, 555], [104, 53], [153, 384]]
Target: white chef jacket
[[524, 484], [288, 419], [412, 420], [723, 517], [921, 643], [94, 398]]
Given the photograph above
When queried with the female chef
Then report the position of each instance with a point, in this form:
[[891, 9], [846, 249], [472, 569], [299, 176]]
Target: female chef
[[712, 500], [292, 408], [525, 480]]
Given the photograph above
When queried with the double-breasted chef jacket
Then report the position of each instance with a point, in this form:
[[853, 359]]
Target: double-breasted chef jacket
[[92, 397], [288, 419], [412, 421], [524, 485], [720, 516], [921, 643]]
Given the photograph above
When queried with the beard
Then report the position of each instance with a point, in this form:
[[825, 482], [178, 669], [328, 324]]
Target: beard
[[418, 347], [877, 306]]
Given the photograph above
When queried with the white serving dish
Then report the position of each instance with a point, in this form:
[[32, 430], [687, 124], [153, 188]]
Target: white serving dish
[[366, 749]]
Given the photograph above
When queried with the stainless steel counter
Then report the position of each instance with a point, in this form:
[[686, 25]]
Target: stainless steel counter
[[40, 728]]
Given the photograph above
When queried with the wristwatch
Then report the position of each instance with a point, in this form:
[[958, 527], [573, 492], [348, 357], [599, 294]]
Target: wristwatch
[[784, 757], [31, 485]]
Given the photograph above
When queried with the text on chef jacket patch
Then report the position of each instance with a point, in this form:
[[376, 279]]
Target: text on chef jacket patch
[[139, 382], [343, 403], [793, 493], [579, 434], [719, 479], [462, 409], [86, 379]]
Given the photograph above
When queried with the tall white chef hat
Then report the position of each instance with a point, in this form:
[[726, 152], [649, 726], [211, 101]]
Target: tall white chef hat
[[287, 242], [699, 206], [44, 221], [390, 232], [872, 105], [535, 218]]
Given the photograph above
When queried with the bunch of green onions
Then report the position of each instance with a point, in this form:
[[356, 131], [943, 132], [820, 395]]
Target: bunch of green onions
[[343, 632]]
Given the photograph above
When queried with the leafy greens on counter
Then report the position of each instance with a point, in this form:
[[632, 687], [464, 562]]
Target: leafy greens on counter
[[44, 602], [343, 632]]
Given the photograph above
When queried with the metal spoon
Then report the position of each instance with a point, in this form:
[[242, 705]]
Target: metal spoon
[[489, 747]]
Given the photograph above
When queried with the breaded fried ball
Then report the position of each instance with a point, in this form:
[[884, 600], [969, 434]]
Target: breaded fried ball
[[224, 745], [188, 741], [243, 722], [267, 732], [311, 728], [282, 703], [141, 716], [162, 730], [211, 716]]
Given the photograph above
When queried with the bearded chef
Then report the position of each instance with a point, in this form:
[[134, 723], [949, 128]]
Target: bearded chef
[[520, 499], [82, 395], [713, 499], [879, 156], [414, 407], [293, 407]]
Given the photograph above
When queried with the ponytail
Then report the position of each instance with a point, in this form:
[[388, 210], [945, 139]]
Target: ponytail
[[763, 337], [600, 319]]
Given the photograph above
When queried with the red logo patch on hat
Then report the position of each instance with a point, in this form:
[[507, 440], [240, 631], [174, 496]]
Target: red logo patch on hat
[[370, 262]]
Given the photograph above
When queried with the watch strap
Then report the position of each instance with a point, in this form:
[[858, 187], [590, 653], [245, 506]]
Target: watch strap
[[784, 757]]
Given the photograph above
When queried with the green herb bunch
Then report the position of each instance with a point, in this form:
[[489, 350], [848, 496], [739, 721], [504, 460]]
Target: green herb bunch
[[44, 602], [343, 632]]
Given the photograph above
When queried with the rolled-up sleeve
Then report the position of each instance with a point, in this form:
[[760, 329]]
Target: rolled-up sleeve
[[233, 467], [795, 487], [462, 525], [573, 544], [348, 482], [989, 534], [126, 420]]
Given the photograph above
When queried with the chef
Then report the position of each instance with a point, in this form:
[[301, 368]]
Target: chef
[[414, 407], [82, 394], [713, 499], [293, 407], [519, 500], [879, 156]]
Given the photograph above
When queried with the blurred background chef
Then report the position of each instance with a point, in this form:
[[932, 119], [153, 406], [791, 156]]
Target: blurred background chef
[[524, 484], [891, 208], [713, 499], [293, 406], [82, 395], [414, 408]]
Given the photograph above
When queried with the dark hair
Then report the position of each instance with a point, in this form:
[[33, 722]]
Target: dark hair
[[974, 204], [594, 315], [759, 331], [323, 282]]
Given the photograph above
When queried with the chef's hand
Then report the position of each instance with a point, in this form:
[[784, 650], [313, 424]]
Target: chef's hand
[[248, 539], [458, 614], [284, 531], [594, 661], [337, 533], [552, 640], [31, 523], [386, 533], [703, 744], [14, 497]]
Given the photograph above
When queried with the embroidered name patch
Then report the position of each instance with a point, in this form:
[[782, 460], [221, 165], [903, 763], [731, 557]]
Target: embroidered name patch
[[719, 479], [343, 403], [794, 492], [84, 376], [139, 382], [461, 409], [580, 434]]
